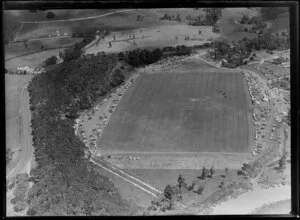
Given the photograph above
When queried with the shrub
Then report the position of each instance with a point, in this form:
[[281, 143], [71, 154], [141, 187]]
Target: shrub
[[241, 173], [9, 155], [50, 15], [226, 171], [204, 173], [181, 183], [121, 56], [168, 192], [51, 61], [199, 190], [72, 53], [212, 171], [244, 19]]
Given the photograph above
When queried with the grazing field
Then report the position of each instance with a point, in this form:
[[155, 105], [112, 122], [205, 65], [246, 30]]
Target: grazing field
[[60, 14], [193, 108], [230, 29], [282, 22], [155, 37], [113, 22], [18, 48]]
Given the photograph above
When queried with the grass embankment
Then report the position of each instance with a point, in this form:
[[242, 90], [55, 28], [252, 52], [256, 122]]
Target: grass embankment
[[64, 181]]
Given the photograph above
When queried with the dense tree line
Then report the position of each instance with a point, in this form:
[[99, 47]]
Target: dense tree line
[[140, 57], [65, 182], [171, 17], [211, 17], [255, 24]]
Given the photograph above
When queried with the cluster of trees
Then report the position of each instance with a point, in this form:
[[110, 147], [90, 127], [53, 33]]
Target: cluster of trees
[[75, 51], [173, 194], [246, 20], [176, 51], [171, 18], [211, 17], [139, 17], [282, 161], [279, 60], [65, 182], [247, 170], [256, 25], [83, 34], [216, 29], [19, 200], [140, 57], [236, 52]]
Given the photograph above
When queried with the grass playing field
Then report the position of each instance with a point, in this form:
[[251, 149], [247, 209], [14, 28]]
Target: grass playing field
[[193, 108]]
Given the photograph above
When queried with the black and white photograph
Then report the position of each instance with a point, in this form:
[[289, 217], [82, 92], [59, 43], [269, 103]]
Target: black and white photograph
[[147, 111]]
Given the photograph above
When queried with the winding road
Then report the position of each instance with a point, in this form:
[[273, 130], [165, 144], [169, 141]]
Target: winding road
[[26, 153], [78, 19]]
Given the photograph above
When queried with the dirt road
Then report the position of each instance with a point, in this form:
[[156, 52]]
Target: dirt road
[[26, 154]]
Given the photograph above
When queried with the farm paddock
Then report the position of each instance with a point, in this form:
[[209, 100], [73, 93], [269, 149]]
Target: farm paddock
[[191, 112]]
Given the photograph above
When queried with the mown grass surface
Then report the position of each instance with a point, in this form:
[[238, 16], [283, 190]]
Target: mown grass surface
[[202, 109]]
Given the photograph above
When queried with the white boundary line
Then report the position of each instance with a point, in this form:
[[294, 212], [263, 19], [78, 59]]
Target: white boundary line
[[124, 178], [136, 179]]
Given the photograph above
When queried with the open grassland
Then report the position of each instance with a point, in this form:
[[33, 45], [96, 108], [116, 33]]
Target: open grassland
[[60, 14], [282, 22], [32, 60], [230, 29], [118, 21], [12, 18], [155, 37], [195, 108], [18, 48]]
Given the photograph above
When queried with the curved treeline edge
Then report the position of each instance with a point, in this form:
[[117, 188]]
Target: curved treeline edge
[[65, 183]]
